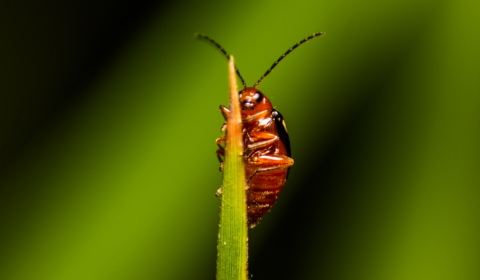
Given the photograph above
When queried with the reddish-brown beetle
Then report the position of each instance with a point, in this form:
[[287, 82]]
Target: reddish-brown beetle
[[267, 146]]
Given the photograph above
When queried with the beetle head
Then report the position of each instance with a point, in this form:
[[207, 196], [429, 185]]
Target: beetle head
[[253, 101]]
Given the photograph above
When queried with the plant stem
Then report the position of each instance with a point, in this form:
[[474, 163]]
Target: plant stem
[[232, 236]]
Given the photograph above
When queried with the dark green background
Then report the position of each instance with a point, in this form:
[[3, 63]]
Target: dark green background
[[109, 112]]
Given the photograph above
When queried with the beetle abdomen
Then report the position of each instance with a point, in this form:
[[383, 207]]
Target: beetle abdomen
[[262, 193]]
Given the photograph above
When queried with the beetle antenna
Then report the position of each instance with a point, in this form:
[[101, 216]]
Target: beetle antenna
[[203, 36], [285, 54]]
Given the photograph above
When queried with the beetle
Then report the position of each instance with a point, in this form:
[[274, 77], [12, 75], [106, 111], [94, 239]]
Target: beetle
[[267, 153]]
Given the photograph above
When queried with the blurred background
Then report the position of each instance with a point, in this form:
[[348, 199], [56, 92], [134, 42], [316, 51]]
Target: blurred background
[[109, 112]]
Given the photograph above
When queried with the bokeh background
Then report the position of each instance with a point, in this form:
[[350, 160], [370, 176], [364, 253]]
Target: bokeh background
[[109, 112]]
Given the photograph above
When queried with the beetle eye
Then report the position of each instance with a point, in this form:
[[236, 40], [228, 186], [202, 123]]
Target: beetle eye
[[239, 94], [258, 97]]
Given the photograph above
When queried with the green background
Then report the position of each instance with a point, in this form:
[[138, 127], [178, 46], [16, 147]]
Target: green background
[[109, 112]]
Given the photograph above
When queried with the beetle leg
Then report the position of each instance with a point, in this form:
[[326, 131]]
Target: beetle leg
[[219, 141], [253, 118], [219, 192], [221, 151], [274, 162], [266, 139], [224, 111], [260, 140], [257, 116]]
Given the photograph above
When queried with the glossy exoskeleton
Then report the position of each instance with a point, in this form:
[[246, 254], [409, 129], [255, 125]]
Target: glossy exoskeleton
[[267, 151]]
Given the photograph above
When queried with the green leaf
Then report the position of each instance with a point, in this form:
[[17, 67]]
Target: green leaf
[[233, 235]]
